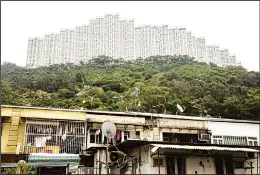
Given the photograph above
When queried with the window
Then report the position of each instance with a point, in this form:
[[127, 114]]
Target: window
[[217, 139], [126, 135], [157, 162], [95, 137], [238, 164], [137, 133], [252, 141]]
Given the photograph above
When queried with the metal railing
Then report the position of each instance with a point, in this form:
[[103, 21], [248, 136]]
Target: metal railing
[[54, 136], [84, 170]]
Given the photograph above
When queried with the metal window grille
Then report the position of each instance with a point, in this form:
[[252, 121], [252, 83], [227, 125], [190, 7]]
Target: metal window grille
[[234, 140], [54, 136]]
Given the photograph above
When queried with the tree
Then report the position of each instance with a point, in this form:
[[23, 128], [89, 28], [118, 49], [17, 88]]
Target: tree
[[22, 168], [163, 82]]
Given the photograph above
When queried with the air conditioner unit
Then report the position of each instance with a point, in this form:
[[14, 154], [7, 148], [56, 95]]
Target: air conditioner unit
[[204, 137]]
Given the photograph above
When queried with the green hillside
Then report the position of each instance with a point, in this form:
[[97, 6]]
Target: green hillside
[[155, 84]]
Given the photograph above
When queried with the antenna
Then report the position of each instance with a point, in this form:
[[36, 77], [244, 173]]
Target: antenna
[[109, 130]]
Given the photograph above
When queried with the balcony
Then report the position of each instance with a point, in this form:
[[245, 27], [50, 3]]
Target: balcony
[[178, 138], [54, 136]]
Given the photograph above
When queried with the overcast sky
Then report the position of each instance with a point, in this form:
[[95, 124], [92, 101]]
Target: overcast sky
[[233, 25]]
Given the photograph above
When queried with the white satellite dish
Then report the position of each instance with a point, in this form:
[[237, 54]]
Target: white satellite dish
[[108, 129], [179, 108]]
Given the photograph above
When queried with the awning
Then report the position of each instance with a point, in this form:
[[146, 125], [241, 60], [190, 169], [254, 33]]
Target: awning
[[46, 164], [190, 147], [54, 158]]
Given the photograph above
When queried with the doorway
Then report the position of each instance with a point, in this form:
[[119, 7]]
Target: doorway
[[229, 164], [170, 163], [181, 165], [219, 165]]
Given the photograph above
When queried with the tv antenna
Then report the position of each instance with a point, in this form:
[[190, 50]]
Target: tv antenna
[[179, 109], [109, 130]]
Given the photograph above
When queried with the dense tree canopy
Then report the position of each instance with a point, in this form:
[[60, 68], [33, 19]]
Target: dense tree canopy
[[155, 84]]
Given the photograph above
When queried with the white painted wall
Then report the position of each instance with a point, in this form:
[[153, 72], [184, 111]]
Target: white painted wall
[[234, 129], [248, 171], [192, 165], [101, 154], [144, 151]]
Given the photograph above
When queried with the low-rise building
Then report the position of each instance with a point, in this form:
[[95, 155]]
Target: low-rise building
[[144, 143]]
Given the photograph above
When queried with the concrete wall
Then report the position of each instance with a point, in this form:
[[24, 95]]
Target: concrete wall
[[234, 129], [248, 171], [100, 156], [192, 165], [115, 119], [47, 114], [146, 161], [183, 124], [5, 135]]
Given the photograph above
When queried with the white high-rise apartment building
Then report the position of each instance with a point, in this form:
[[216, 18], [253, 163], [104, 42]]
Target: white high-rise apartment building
[[189, 44], [183, 41], [82, 47], [66, 47], [201, 50], [224, 56], [110, 36], [126, 42], [172, 42], [232, 60], [213, 54], [34, 52], [143, 42]]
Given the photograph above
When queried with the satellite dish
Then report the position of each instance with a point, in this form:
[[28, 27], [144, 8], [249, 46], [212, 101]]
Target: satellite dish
[[108, 129], [179, 108]]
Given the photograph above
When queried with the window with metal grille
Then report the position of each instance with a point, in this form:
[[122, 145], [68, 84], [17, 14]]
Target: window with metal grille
[[235, 140], [54, 136]]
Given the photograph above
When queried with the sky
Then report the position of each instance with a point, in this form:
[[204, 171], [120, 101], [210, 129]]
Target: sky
[[232, 25]]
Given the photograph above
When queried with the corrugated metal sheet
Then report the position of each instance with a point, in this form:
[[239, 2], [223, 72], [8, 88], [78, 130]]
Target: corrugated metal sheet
[[54, 158], [190, 147]]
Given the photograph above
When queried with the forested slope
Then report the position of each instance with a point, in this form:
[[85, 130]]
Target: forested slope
[[155, 84]]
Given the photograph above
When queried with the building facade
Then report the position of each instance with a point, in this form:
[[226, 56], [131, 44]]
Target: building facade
[[144, 143], [116, 38]]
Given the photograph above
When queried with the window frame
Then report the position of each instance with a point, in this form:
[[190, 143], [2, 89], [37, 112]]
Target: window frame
[[252, 140], [240, 161], [162, 161]]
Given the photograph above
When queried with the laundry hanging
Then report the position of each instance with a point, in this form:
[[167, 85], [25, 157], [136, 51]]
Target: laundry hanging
[[97, 132], [40, 141], [118, 135]]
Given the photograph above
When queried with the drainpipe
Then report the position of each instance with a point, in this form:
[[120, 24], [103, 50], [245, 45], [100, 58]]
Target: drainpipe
[[251, 167], [257, 162], [68, 169], [107, 155], [158, 161]]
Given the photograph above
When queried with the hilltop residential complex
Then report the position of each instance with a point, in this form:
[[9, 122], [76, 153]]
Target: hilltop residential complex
[[117, 38]]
